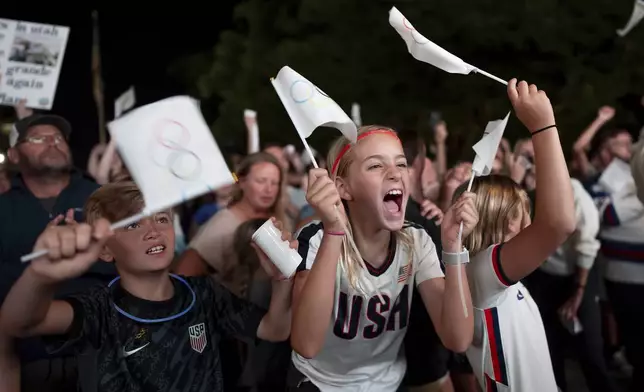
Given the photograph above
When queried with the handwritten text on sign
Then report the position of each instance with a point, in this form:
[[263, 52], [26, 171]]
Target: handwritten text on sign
[[31, 56]]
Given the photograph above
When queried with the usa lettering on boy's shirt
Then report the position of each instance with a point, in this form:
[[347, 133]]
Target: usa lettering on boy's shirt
[[509, 351], [362, 348]]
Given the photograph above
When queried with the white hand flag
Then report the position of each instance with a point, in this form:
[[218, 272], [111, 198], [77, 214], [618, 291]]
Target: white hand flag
[[125, 102], [426, 51], [250, 119], [488, 145], [170, 152], [636, 17], [309, 107], [355, 114]]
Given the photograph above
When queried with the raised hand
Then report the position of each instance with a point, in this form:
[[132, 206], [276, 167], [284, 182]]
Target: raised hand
[[430, 211], [531, 105], [462, 210], [440, 133], [71, 250], [323, 196], [605, 113]]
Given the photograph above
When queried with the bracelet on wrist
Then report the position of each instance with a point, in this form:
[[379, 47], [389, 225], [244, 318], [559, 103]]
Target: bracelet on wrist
[[456, 258], [335, 233], [543, 129]]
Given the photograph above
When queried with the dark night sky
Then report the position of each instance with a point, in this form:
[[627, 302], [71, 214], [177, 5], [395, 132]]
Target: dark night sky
[[136, 46]]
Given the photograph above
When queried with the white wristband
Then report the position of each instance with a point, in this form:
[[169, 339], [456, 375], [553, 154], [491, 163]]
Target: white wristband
[[456, 258]]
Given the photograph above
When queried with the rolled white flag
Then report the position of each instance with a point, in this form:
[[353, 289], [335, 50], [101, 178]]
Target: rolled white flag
[[488, 145], [636, 17], [426, 51]]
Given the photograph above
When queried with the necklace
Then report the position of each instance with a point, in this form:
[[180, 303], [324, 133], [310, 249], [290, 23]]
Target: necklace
[[161, 320]]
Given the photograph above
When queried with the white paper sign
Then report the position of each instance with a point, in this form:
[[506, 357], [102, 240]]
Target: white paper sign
[[31, 56], [170, 152], [252, 128], [636, 17], [425, 50], [488, 145], [309, 107], [125, 102], [616, 176]]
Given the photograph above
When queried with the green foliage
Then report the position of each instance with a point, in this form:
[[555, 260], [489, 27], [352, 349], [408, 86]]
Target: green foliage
[[568, 48]]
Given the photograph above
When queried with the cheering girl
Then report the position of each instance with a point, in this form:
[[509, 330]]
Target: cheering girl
[[510, 350], [351, 310]]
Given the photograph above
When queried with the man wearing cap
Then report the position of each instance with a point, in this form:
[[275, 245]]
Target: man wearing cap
[[46, 190]]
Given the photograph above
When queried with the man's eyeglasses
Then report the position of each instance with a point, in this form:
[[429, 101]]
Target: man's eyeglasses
[[56, 139]]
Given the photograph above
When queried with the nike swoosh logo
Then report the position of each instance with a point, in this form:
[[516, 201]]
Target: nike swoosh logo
[[136, 350]]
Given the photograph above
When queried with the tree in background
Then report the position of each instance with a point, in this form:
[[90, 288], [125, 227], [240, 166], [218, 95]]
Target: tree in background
[[569, 48]]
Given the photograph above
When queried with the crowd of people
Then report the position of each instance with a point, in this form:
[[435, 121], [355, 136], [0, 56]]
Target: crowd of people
[[388, 297]]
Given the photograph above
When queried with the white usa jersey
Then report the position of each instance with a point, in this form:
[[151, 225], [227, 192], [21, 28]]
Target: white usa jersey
[[362, 348], [510, 349]]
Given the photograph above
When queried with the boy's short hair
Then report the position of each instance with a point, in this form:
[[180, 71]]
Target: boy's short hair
[[605, 134], [114, 201]]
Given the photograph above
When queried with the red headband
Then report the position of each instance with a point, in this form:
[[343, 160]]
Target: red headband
[[360, 137]]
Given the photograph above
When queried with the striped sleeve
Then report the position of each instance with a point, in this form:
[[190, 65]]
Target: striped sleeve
[[489, 278], [622, 208], [309, 238]]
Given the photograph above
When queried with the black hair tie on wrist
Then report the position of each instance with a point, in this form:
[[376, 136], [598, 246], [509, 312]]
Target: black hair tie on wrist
[[543, 129]]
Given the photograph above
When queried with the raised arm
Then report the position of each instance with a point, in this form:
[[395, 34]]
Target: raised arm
[[314, 289], [582, 143], [29, 308], [554, 218]]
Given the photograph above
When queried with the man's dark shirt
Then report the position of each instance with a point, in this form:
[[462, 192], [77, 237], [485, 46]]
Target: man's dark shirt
[[23, 217], [180, 355]]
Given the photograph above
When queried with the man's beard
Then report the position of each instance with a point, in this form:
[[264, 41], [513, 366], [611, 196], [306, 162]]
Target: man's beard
[[37, 169]]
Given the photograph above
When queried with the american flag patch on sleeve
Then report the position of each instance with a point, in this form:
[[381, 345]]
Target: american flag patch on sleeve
[[404, 273]]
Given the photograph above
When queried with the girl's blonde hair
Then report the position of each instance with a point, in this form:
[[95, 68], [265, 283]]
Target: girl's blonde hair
[[498, 201], [278, 209], [350, 259]]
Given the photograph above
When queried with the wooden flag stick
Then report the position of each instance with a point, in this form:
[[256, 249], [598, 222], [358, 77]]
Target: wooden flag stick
[[97, 80]]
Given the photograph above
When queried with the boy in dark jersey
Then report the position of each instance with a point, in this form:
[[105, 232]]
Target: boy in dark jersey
[[148, 330]]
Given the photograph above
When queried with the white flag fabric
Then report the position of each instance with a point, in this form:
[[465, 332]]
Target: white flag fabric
[[425, 50], [636, 17], [250, 119], [309, 107], [125, 102], [170, 152], [355, 114], [488, 145]]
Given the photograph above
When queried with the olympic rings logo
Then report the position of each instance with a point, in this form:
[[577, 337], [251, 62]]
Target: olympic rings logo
[[302, 91], [167, 150], [415, 35]]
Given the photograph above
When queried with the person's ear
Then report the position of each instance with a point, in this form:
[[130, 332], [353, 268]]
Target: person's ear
[[13, 156], [344, 189], [106, 255]]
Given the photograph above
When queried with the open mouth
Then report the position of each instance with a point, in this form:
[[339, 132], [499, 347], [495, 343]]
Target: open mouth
[[155, 250], [393, 200]]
